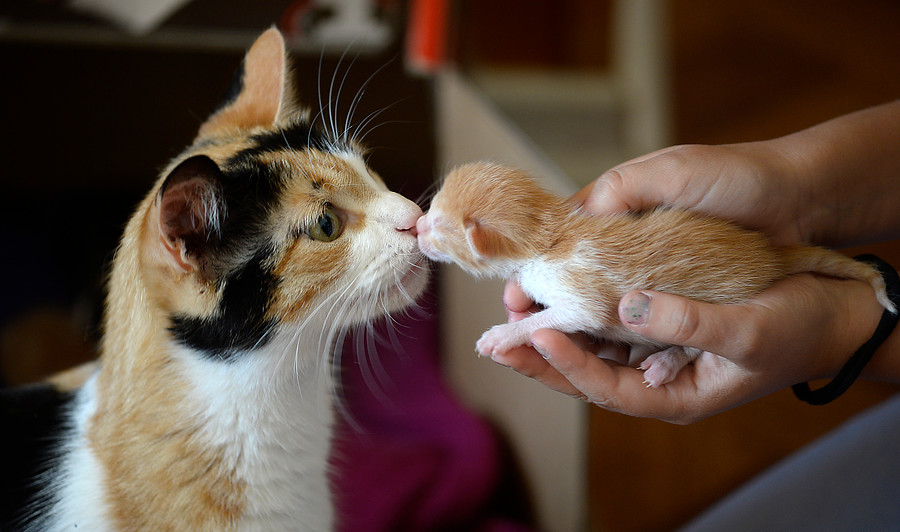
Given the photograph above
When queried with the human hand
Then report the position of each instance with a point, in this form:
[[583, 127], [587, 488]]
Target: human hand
[[801, 329], [745, 183], [754, 185], [833, 184]]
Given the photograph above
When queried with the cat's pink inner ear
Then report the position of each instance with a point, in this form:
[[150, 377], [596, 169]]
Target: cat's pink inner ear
[[484, 241], [265, 88], [189, 212]]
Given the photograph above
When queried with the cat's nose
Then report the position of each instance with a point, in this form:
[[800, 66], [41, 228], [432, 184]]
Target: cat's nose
[[407, 220]]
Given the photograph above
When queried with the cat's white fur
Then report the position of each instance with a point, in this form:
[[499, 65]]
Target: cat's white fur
[[166, 437], [79, 484], [271, 419], [269, 413]]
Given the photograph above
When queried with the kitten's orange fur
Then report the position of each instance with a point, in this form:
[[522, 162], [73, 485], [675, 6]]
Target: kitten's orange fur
[[497, 221]]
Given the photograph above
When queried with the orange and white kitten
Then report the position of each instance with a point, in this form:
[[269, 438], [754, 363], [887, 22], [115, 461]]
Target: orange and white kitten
[[498, 222], [211, 405]]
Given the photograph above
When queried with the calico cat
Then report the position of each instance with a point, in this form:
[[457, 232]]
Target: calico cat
[[497, 221], [210, 407]]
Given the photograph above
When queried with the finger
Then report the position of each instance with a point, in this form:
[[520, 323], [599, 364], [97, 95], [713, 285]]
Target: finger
[[622, 389], [515, 299], [680, 321], [577, 199], [530, 363], [635, 185]]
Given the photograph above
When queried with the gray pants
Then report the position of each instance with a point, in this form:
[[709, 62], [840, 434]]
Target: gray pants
[[847, 480]]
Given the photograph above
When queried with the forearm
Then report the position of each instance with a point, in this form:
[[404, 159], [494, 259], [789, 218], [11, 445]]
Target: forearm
[[849, 168]]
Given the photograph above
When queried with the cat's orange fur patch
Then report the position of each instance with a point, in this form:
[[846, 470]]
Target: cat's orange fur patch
[[266, 89], [159, 471], [156, 424]]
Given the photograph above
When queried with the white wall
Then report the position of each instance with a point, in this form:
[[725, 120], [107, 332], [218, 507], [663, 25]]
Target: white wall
[[548, 430]]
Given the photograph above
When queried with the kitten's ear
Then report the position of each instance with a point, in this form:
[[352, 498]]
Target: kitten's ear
[[191, 210], [261, 92], [484, 242]]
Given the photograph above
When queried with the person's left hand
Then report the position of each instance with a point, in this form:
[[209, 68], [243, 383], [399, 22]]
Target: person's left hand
[[803, 328]]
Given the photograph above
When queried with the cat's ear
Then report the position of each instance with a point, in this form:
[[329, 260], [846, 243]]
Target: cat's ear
[[191, 209], [261, 93], [485, 242]]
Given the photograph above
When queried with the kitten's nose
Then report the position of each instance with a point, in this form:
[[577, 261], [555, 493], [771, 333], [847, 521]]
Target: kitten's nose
[[423, 225]]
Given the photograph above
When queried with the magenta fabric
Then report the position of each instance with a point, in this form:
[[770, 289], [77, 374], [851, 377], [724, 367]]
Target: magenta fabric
[[410, 457]]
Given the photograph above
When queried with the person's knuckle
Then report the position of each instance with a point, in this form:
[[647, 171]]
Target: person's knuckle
[[687, 324]]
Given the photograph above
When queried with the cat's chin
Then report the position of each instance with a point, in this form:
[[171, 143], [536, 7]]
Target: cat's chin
[[411, 285]]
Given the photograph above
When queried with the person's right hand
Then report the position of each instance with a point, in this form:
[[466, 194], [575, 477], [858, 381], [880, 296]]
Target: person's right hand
[[752, 184]]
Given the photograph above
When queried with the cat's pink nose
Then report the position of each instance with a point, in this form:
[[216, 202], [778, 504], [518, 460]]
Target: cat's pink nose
[[409, 220]]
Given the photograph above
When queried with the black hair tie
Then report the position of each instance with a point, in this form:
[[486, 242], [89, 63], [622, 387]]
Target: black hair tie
[[861, 357]]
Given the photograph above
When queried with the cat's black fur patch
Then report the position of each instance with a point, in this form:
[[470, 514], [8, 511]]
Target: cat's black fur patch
[[33, 420], [240, 323], [295, 137], [251, 190]]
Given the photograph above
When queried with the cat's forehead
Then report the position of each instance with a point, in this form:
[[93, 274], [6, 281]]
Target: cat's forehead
[[323, 170]]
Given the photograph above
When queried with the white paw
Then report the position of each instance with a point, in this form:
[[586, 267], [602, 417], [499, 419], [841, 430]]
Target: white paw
[[662, 368], [498, 340]]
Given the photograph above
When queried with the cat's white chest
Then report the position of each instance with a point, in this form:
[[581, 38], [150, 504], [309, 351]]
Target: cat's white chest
[[79, 486], [276, 428], [265, 420]]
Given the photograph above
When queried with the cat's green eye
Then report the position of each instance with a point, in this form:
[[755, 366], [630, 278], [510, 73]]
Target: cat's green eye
[[327, 227]]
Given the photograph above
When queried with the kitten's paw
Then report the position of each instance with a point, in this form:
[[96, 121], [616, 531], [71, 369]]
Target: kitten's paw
[[662, 368], [497, 340]]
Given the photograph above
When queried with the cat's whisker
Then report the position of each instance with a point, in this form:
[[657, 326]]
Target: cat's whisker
[[333, 105], [357, 99], [320, 114], [343, 136], [428, 194], [337, 392], [362, 129]]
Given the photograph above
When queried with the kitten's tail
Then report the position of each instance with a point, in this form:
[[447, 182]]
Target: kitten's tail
[[824, 261]]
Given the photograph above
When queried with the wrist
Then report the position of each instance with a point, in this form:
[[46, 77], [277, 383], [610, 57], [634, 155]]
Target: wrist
[[798, 161], [846, 173], [857, 317], [859, 361]]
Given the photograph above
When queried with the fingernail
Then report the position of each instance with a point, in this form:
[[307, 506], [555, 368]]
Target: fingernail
[[542, 350], [635, 309]]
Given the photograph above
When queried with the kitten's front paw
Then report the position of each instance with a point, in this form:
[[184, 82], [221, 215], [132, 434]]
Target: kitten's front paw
[[498, 340], [662, 368]]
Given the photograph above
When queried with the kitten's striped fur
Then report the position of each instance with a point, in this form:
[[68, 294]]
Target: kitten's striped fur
[[211, 405]]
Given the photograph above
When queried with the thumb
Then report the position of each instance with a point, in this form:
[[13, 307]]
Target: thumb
[[681, 321], [636, 185]]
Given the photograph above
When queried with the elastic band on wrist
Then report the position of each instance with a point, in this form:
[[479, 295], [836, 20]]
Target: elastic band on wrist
[[861, 357]]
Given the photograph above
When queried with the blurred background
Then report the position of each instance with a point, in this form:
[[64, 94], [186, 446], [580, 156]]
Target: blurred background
[[97, 98]]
